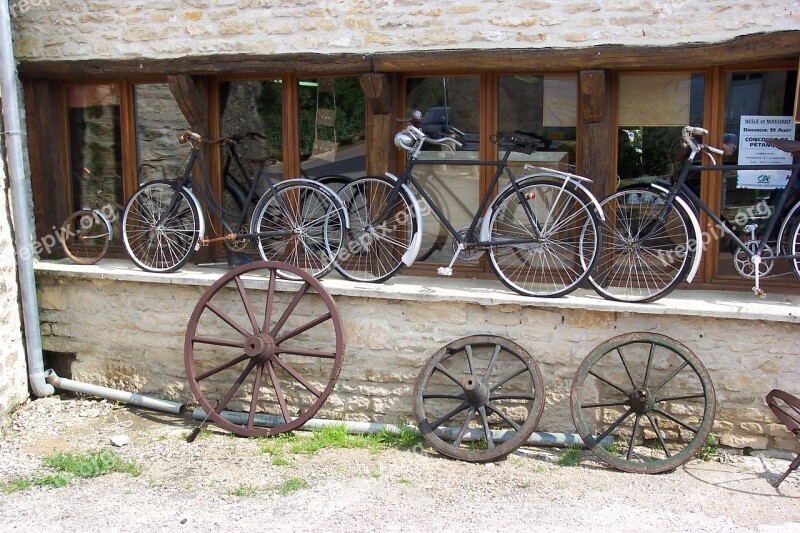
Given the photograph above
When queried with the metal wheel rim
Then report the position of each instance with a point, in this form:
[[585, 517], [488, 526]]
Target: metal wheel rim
[[264, 346], [74, 250], [702, 387], [449, 444]]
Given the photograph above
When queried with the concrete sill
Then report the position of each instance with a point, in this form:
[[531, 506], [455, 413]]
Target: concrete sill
[[714, 304]]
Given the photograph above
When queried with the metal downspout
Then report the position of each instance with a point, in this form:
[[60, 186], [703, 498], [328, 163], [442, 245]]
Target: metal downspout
[[22, 216]]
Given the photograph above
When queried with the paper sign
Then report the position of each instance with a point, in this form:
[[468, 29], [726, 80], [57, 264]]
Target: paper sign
[[753, 150]]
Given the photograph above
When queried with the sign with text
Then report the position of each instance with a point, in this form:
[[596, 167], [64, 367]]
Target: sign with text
[[753, 150]]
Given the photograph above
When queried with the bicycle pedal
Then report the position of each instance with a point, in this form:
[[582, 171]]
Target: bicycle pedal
[[759, 292], [444, 271]]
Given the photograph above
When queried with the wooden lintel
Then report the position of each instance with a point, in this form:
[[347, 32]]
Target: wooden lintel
[[744, 49]]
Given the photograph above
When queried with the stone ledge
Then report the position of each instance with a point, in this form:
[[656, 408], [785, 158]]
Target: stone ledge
[[709, 304]]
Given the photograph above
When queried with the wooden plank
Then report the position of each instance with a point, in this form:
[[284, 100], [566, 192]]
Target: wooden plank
[[381, 153], [191, 95], [593, 95], [377, 91], [596, 131]]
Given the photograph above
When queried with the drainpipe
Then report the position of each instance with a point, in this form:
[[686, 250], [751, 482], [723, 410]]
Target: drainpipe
[[20, 197]]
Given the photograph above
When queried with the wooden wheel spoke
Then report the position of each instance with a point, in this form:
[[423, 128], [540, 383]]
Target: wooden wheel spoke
[[444, 371], [649, 365], [246, 302], [464, 427], [270, 300], [490, 366], [289, 309], [296, 375], [625, 366], [633, 436], [498, 412], [441, 396], [305, 327], [305, 352], [658, 434], [605, 404], [607, 382], [676, 420], [254, 399], [220, 368], [278, 393], [508, 377], [671, 375], [444, 418], [517, 396], [218, 342], [486, 430], [613, 426], [681, 397], [470, 364], [228, 320], [223, 403]]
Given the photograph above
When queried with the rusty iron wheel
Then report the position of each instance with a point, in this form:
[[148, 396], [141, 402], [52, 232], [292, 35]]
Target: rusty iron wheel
[[272, 354], [479, 398], [651, 394]]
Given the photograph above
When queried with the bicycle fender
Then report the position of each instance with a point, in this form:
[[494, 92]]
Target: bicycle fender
[[695, 224], [416, 240], [107, 222], [201, 218], [784, 224], [328, 190]]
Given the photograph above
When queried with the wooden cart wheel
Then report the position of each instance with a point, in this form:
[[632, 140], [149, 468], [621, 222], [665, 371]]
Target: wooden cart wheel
[[479, 398], [651, 394], [257, 350]]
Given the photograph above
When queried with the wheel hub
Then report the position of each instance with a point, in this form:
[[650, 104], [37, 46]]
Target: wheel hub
[[261, 347], [641, 401], [475, 392]]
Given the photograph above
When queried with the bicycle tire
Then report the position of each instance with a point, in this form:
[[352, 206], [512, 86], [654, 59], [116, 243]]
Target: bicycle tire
[[634, 270], [794, 247], [153, 244], [84, 236], [374, 247], [562, 258], [307, 223]]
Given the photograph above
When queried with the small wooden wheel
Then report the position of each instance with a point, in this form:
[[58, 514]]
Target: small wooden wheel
[[263, 352]]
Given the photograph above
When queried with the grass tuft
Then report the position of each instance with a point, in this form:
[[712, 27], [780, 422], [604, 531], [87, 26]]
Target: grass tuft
[[570, 457], [710, 447], [291, 485]]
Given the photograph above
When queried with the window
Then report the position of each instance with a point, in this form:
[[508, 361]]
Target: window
[[652, 109], [332, 118], [744, 200], [450, 107], [159, 122], [546, 108]]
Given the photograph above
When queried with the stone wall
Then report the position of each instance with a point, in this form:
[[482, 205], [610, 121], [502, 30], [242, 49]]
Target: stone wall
[[75, 30], [130, 334], [13, 369]]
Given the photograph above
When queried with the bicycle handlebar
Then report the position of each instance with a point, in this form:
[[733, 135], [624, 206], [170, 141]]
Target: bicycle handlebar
[[690, 131], [189, 136]]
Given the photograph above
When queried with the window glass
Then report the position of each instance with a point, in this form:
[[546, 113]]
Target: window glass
[[545, 108], [95, 150], [254, 107], [652, 109], [449, 107], [751, 98], [159, 122], [332, 116]]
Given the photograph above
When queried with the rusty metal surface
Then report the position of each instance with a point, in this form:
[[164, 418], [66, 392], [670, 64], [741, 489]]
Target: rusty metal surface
[[479, 398], [649, 392], [264, 356], [786, 407]]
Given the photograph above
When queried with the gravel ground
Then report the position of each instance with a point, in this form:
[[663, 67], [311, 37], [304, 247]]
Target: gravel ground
[[222, 482]]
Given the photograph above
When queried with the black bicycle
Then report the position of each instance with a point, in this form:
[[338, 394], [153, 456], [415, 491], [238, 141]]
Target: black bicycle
[[653, 239], [297, 221]]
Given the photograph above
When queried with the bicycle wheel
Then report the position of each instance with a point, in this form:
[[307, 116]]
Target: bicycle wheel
[[642, 260], [651, 394], [84, 236], [379, 234], [266, 354], [160, 227], [479, 398], [794, 247], [550, 259], [300, 224]]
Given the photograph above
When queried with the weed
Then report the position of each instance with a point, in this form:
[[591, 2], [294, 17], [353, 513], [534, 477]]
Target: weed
[[244, 490], [18, 483], [570, 457], [405, 437], [291, 485], [334, 436], [614, 448], [710, 447], [404, 481], [280, 460], [92, 464]]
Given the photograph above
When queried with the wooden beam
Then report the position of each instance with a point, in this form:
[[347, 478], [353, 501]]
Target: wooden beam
[[756, 47], [597, 131], [377, 92], [191, 95]]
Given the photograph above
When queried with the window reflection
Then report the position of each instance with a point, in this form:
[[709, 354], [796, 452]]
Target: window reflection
[[159, 122], [95, 151]]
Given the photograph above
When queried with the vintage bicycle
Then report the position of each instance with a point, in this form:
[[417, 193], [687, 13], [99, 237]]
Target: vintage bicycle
[[86, 233], [541, 231], [652, 238], [298, 221]]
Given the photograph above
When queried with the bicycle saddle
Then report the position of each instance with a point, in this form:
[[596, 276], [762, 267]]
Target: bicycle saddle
[[793, 147]]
